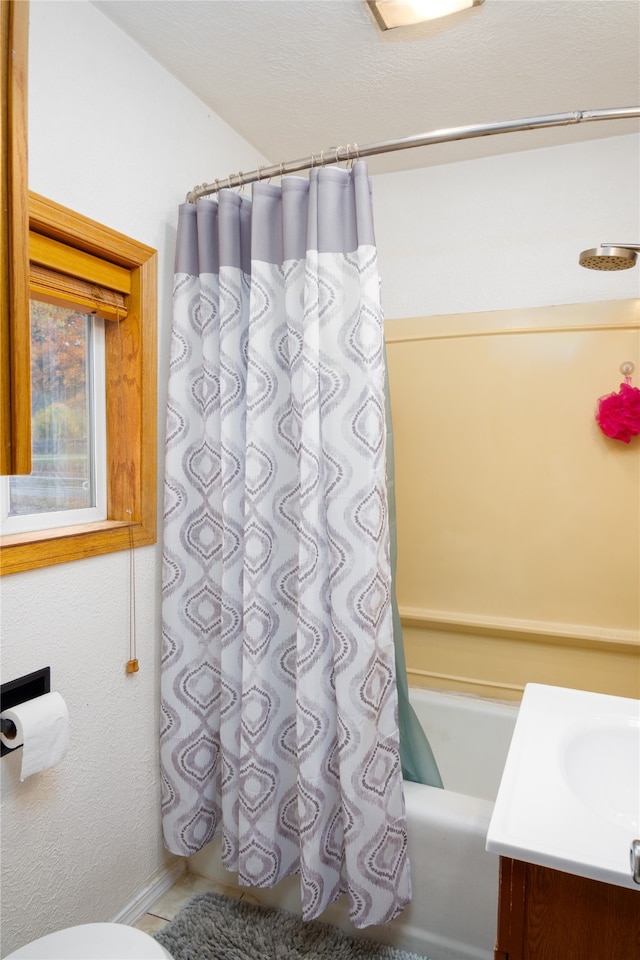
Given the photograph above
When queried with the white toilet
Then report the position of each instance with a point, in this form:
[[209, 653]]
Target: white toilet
[[93, 941]]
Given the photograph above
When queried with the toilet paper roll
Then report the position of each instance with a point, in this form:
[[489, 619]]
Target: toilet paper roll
[[42, 730]]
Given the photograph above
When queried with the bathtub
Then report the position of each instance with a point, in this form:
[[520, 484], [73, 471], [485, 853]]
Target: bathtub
[[455, 881]]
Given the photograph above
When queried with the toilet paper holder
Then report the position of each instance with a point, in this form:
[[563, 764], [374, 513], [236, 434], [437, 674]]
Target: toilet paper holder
[[8, 728], [13, 692]]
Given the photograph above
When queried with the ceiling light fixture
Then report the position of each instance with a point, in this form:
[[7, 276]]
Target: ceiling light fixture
[[402, 13]]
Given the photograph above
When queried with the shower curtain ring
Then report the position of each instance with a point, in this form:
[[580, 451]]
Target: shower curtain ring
[[282, 168], [217, 185], [260, 173]]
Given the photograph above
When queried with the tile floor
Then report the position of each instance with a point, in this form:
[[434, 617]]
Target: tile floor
[[169, 904]]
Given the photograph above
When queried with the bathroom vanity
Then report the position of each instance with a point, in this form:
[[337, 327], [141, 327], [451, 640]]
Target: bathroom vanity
[[566, 824], [545, 914]]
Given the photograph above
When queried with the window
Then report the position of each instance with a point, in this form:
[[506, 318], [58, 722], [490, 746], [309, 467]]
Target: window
[[92, 487], [67, 484]]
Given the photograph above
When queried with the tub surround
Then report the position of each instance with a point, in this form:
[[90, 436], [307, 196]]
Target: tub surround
[[516, 555]]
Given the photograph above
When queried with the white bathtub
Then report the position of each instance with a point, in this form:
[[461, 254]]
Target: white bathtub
[[455, 881]]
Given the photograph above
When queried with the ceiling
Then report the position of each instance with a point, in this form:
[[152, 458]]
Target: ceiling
[[295, 77]]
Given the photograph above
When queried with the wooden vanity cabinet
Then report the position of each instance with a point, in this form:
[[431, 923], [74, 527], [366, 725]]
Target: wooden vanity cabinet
[[544, 914]]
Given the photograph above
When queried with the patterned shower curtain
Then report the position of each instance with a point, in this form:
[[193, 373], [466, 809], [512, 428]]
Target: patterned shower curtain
[[280, 726]]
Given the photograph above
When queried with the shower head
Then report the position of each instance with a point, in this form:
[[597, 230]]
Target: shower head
[[610, 256]]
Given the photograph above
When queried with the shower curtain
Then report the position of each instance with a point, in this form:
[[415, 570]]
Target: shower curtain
[[280, 713]]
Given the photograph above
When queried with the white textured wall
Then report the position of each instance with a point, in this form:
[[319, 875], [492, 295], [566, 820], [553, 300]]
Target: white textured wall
[[506, 231], [114, 137]]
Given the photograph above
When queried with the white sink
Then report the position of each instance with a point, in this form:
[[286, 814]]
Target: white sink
[[570, 791], [613, 750]]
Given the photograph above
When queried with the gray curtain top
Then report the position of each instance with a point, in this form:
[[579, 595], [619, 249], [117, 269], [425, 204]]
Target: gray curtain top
[[330, 212]]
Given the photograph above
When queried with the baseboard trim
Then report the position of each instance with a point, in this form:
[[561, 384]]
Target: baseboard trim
[[163, 880]]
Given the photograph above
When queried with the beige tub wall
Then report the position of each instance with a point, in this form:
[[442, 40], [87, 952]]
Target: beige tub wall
[[518, 520]]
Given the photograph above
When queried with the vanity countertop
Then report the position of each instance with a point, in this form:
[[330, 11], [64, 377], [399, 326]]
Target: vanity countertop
[[569, 797]]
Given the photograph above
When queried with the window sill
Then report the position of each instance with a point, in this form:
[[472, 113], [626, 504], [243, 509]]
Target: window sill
[[25, 551]]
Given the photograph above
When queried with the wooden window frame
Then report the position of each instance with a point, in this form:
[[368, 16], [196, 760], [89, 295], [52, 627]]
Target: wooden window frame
[[15, 383], [131, 379]]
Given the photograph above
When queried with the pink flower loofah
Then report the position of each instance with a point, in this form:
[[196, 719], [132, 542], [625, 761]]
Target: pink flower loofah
[[618, 414]]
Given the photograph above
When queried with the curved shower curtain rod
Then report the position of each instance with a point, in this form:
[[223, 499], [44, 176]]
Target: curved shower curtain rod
[[354, 152]]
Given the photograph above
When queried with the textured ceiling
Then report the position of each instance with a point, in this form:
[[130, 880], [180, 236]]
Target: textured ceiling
[[295, 77]]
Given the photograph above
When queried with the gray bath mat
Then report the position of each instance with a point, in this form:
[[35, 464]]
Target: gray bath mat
[[214, 927]]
